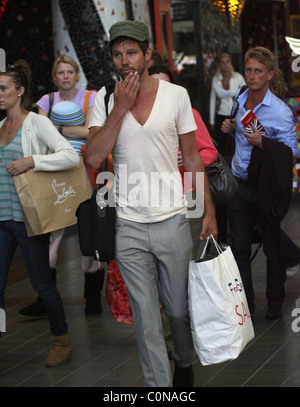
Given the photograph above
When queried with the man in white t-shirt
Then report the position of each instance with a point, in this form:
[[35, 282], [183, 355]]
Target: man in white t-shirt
[[147, 120]]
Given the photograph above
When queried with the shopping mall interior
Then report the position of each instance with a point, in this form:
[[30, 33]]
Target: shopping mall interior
[[104, 349]]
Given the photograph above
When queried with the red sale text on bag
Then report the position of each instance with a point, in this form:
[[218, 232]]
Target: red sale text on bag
[[243, 312], [240, 309]]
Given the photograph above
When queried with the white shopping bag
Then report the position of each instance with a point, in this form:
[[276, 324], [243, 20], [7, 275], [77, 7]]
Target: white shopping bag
[[220, 319]]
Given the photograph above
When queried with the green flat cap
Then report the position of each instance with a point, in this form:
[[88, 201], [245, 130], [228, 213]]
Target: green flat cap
[[131, 29]]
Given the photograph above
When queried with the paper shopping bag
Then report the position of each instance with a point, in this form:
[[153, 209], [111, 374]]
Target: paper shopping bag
[[220, 319], [49, 199]]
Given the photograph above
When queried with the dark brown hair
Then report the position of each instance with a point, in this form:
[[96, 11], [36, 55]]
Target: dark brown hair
[[20, 74], [144, 45], [156, 69]]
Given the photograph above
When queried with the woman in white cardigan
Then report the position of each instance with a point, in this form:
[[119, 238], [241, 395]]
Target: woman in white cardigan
[[30, 142], [225, 85]]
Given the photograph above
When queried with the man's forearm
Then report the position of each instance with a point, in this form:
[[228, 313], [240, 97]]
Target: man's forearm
[[203, 193], [101, 140]]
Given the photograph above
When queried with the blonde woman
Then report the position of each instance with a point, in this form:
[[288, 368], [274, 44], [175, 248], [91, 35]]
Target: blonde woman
[[65, 73], [225, 85]]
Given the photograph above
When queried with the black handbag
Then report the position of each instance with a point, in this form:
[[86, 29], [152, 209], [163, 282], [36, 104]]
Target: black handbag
[[223, 185], [96, 226], [96, 220]]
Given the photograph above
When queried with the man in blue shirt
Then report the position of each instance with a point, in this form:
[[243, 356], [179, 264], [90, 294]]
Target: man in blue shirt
[[244, 212]]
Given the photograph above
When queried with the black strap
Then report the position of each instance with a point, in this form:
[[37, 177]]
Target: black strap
[[242, 90], [109, 91], [51, 98], [106, 100]]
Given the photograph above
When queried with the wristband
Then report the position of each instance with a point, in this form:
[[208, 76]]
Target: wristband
[[60, 129]]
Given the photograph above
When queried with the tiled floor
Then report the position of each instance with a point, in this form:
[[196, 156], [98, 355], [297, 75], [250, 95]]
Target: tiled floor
[[104, 350]]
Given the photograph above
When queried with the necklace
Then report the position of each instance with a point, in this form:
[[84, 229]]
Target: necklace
[[14, 125], [10, 130]]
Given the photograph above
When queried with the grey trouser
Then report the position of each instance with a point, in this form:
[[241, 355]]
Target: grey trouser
[[154, 260]]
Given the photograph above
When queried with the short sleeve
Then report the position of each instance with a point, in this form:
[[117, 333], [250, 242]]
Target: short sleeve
[[185, 119], [44, 103], [98, 116]]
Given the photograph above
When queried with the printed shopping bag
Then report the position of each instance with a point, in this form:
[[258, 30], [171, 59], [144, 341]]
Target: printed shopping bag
[[49, 199], [220, 319]]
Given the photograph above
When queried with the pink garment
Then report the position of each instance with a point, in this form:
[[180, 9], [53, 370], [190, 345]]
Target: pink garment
[[44, 101], [205, 146]]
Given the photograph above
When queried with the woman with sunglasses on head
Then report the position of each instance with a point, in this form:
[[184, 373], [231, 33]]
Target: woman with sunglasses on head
[[30, 142], [75, 128]]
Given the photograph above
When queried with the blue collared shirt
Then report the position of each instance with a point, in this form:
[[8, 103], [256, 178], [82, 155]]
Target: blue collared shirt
[[277, 119]]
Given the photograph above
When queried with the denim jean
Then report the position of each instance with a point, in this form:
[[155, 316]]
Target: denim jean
[[35, 251], [278, 248]]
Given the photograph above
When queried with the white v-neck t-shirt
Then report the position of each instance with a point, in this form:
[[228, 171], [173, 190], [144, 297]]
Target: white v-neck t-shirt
[[148, 186]]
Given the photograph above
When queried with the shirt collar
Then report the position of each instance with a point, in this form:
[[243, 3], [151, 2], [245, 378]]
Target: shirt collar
[[266, 100]]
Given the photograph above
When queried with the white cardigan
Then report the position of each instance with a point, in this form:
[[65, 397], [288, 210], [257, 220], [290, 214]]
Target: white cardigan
[[225, 97], [49, 149]]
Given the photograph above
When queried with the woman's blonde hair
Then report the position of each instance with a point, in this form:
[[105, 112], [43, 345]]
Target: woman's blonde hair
[[218, 70], [65, 59]]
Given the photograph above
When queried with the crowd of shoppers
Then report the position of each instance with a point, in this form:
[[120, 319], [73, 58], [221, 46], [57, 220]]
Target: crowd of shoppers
[[151, 127]]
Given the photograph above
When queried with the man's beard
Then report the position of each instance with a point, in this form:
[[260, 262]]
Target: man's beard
[[140, 70]]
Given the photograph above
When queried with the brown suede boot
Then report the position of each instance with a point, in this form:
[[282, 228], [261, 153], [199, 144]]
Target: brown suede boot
[[60, 352]]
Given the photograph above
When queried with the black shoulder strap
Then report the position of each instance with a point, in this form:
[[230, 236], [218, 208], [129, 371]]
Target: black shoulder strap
[[109, 91], [51, 97], [242, 90]]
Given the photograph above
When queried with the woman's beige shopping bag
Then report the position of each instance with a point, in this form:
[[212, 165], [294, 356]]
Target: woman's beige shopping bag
[[220, 319], [49, 199]]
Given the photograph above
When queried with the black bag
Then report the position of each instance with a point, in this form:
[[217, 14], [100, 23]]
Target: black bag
[[223, 185], [96, 220], [96, 226]]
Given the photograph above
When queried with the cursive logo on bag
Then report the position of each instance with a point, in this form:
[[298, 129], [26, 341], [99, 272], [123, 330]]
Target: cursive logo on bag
[[63, 194]]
